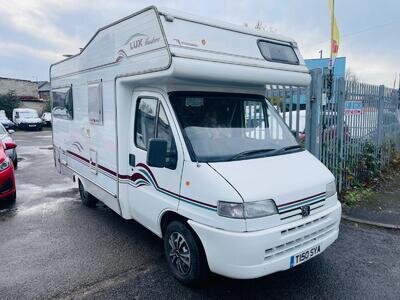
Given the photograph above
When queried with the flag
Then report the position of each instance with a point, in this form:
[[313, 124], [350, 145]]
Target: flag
[[335, 35]]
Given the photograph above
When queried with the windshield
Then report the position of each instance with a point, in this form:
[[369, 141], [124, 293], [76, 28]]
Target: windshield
[[27, 114], [223, 127]]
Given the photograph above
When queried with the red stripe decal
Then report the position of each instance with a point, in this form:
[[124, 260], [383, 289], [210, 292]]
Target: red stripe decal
[[133, 177]]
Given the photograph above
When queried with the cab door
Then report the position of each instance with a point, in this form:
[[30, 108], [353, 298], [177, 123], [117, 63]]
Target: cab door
[[152, 190]]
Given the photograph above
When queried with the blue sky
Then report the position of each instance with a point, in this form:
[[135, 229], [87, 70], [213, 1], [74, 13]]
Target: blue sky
[[35, 33]]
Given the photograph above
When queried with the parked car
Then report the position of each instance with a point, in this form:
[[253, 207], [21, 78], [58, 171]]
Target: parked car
[[46, 118], [27, 118], [5, 136], [7, 179], [329, 121], [6, 122]]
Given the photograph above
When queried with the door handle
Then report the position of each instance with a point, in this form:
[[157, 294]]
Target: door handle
[[132, 160]]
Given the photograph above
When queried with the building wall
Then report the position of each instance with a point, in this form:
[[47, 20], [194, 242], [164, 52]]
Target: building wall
[[38, 105], [45, 95], [22, 88], [339, 69]]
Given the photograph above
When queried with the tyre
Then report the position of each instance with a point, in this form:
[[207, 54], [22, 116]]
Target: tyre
[[87, 199], [12, 198], [184, 254]]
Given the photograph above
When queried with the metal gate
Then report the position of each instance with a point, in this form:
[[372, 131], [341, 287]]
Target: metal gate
[[354, 133]]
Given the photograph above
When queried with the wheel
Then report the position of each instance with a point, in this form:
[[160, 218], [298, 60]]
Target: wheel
[[87, 199], [185, 255], [12, 198]]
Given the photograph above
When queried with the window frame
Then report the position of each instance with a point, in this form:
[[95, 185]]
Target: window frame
[[259, 41], [157, 113], [99, 84], [57, 116], [136, 116], [195, 93]]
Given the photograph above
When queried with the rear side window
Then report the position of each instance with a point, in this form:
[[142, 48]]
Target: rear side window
[[276, 52], [63, 106], [95, 102]]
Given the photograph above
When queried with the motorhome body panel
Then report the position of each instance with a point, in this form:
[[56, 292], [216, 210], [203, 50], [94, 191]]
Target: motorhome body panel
[[118, 45], [200, 41], [144, 51], [142, 59]]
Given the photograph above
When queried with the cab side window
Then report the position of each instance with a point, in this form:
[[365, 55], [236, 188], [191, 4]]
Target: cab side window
[[164, 132], [145, 121], [151, 122]]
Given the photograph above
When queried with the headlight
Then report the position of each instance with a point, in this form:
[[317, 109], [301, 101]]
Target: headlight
[[230, 210], [331, 189], [5, 164], [248, 210], [259, 209]]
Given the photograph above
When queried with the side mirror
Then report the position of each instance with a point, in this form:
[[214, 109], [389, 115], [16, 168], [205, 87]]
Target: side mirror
[[11, 131], [10, 145], [157, 153]]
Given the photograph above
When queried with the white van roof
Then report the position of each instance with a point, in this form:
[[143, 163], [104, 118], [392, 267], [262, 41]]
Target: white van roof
[[221, 24], [24, 109], [189, 47]]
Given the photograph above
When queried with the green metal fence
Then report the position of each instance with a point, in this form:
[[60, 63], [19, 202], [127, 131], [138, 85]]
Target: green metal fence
[[355, 133]]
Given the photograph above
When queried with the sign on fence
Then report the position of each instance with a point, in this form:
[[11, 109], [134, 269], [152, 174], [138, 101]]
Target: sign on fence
[[353, 107]]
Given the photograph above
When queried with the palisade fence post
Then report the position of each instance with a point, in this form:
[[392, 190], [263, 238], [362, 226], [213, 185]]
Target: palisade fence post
[[341, 95], [380, 125], [314, 101]]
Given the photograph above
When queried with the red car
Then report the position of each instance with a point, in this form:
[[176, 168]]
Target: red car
[[7, 179]]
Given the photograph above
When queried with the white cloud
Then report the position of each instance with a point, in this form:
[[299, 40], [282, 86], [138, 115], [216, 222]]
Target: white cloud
[[36, 19], [10, 49], [44, 22]]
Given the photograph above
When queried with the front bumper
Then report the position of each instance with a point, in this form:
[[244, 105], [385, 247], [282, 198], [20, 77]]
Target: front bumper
[[246, 255], [30, 125], [7, 183], [8, 126]]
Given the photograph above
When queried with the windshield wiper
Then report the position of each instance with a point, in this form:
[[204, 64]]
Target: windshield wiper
[[284, 149], [270, 152], [249, 152]]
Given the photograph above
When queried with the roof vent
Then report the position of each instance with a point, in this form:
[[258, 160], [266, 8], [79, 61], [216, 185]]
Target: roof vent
[[169, 18]]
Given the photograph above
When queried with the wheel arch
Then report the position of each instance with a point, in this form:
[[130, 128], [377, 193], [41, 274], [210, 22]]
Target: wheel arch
[[167, 217]]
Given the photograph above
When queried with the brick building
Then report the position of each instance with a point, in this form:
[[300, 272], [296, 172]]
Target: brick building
[[29, 92]]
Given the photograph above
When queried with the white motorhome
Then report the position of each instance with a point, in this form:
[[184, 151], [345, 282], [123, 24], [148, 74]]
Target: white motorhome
[[162, 117]]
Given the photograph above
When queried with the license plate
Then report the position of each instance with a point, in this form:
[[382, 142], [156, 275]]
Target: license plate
[[32, 125], [304, 256]]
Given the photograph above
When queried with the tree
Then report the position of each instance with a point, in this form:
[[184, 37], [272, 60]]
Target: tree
[[8, 102], [47, 107], [351, 76]]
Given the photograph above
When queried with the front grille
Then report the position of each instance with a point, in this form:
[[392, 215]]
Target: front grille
[[304, 226], [6, 186], [302, 242], [292, 211]]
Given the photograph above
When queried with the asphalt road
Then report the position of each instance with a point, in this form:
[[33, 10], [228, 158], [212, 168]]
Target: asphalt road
[[53, 247]]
